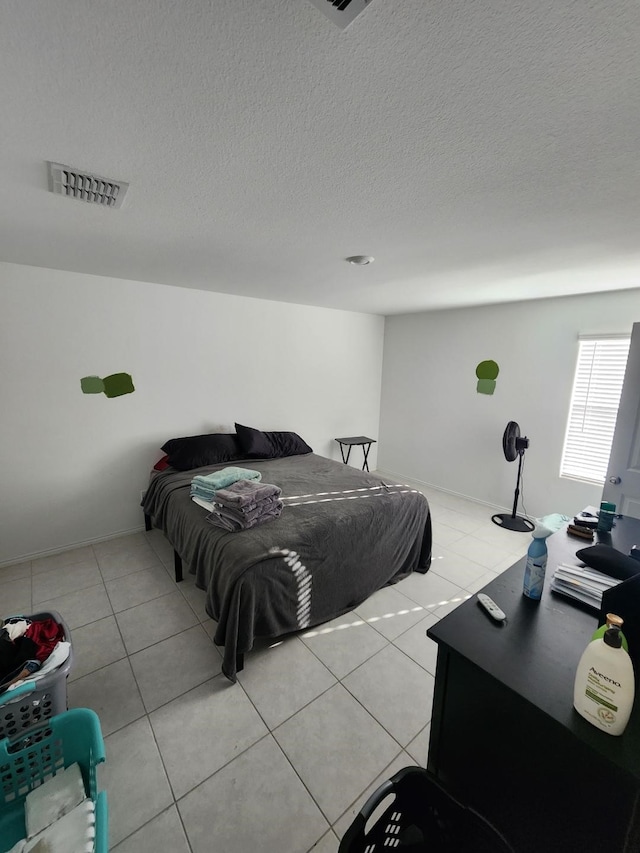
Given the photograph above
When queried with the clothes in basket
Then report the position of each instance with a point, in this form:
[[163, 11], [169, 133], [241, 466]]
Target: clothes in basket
[[25, 644], [35, 687]]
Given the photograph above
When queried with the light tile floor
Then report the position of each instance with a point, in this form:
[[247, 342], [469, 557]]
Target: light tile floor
[[282, 761]]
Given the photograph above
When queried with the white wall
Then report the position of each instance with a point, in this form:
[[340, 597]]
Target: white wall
[[436, 428], [72, 465]]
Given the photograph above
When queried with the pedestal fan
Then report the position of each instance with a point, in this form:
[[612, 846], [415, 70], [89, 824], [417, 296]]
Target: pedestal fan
[[514, 447]]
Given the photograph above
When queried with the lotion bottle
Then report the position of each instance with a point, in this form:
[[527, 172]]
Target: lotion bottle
[[604, 687], [612, 620]]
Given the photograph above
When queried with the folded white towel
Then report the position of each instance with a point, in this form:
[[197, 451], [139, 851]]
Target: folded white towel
[[56, 797], [201, 502], [73, 833]]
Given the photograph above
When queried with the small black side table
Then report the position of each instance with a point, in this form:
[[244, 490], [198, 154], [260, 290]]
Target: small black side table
[[356, 439]]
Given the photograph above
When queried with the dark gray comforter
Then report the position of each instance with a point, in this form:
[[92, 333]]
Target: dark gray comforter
[[342, 535]]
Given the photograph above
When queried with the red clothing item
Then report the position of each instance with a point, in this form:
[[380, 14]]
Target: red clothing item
[[46, 634]]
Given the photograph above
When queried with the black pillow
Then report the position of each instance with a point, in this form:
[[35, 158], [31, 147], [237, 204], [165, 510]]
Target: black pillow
[[256, 444], [194, 451], [606, 559]]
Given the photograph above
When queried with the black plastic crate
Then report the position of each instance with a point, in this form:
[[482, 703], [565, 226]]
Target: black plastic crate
[[419, 815]]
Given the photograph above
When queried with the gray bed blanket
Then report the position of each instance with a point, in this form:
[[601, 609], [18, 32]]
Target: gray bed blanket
[[342, 535]]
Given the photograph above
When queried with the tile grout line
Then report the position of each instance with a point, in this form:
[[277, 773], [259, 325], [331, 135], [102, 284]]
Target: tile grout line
[[146, 823], [98, 668], [53, 569], [157, 642], [154, 565], [415, 624], [132, 574], [339, 678], [153, 734], [302, 782], [374, 717], [432, 674], [148, 714], [215, 773], [128, 657], [427, 608], [362, 793], [53, 601], [302, 708], [166, 773], [272, 733]]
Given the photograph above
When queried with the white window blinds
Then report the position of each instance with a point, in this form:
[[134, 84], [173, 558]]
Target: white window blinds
[[594, 407]]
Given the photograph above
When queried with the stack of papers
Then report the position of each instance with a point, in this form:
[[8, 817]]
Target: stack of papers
[[582, 584]]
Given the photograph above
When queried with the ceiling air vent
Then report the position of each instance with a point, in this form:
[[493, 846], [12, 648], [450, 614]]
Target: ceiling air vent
[[341, 12], [63, 180]]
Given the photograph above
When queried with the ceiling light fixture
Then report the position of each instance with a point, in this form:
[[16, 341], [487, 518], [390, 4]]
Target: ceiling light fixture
[[360, 260]]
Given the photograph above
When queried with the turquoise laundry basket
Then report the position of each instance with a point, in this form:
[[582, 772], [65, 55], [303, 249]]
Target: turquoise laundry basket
[[36, 755]]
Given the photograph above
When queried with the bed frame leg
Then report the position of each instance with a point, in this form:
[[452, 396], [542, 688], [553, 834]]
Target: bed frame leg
[[147, 522], [177, 566], [239, 663]]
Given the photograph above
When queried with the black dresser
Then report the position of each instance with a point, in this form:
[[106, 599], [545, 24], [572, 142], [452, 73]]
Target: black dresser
[[505, 738]]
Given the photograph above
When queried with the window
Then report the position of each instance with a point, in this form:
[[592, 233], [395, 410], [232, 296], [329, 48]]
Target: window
[[594, 407]]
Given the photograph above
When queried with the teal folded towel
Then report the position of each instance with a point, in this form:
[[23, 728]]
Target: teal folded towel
[[204, 485]]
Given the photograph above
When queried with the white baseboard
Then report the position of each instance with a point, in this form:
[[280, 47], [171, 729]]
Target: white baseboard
[[70, 547], [492, 506]]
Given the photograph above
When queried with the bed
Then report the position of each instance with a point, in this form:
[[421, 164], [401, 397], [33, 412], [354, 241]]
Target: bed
[[342, 535]]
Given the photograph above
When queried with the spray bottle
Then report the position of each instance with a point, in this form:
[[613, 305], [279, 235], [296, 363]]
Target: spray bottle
[[536, 564]]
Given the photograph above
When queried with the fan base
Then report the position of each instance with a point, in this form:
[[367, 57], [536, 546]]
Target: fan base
[[510, 522]]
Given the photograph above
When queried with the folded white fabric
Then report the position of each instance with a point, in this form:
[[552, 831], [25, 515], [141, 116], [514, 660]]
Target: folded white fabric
[[201, 502], [19, 847], [73, 833], [56, 797]]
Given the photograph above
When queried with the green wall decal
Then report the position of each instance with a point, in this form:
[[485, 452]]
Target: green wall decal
[[487, 372], [118, 384], [486, 386], [92, 385], [113, 386]]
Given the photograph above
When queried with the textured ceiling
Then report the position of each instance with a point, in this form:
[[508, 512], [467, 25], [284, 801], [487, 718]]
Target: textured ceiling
[[482, 151]]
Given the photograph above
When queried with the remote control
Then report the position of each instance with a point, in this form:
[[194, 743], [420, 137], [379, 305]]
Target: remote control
[[491, 607]]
